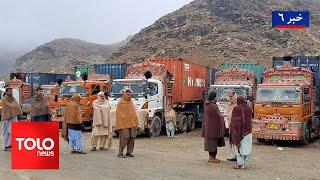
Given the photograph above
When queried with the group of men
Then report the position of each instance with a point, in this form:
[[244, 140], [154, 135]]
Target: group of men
[[101, 136], [239, 115], [11, 110]]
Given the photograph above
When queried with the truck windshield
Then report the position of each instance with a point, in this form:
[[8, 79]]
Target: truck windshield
[[278, 94], [69, 89], [222, 92], [47, 91], [137, 88]]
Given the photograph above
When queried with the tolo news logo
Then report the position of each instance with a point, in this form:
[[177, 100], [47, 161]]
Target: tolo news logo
[[35, 145]]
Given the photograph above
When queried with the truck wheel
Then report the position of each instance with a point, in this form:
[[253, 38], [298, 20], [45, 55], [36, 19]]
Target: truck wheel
[[306, 136], [155, 128], [191, 123], [184, 123], [260, 140]]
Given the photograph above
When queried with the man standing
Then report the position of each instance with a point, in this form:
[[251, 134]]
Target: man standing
[[233, 103], [126, 123], [10, 110], [102, 128], [241, 132], [72, 126], [40, 109], [212, 128]]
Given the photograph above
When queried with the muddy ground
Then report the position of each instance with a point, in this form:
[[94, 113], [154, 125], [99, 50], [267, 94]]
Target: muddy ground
[[179, 158]]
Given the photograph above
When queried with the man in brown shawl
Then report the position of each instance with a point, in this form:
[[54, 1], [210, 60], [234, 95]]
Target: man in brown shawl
[[40, 109], [126, 124], [241, 132], [72, 126], [102, 128], [213, 128], [10, 110]]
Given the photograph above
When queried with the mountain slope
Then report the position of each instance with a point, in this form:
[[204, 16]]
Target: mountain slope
[[61, 55], [212, 32]]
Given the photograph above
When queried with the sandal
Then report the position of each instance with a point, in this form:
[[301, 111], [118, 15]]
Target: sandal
[[93, 149], [237, 167], [103, 149], [80, 152], [129, 155], [214, 161], [73, 151], [121, 156]]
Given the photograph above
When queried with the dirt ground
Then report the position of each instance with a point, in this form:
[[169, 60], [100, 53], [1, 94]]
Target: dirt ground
[[179, 158]]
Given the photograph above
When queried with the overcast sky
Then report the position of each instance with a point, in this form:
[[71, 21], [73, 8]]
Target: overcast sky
[[29, 23]]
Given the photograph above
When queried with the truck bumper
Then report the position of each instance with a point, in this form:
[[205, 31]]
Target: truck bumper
[[277, 130]]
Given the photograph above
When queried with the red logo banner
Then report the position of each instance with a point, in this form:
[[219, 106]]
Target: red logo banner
[[35, 145]]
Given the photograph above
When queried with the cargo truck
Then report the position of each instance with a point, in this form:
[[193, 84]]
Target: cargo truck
[[175, 84], [37, 79], [88, 91], [285, 107], [240, 81]]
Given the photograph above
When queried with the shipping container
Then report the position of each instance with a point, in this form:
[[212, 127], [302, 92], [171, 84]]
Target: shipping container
[[278, 62], [84, 69], [256, 68], [212, 73], [114, 70], [311, 62], [38, 79], [190, 79]]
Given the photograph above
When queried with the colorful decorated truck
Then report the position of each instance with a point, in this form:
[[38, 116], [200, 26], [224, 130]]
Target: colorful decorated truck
[[240, 81], [285, 107], [88, 91]]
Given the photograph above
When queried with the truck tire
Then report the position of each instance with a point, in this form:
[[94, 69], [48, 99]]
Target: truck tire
[[306, 135], [191, 123], [260, 140], [184, 123], [155, 127]]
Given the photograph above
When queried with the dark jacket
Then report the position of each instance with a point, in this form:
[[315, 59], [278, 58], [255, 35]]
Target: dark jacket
[[241, 124], [213, 125]]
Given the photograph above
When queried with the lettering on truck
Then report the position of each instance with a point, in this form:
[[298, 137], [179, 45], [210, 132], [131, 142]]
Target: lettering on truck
[[194, 82]]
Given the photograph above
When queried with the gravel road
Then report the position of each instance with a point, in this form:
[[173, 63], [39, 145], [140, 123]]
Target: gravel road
[[179, 158]]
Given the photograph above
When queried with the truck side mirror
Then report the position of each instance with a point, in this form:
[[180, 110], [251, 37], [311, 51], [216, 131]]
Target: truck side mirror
[[251, 99]]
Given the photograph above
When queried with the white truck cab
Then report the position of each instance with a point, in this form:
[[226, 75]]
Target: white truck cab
[[149, 99], [222, 96], [142, 99]]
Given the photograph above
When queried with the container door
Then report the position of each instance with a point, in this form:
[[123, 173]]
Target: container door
[[308, 62]]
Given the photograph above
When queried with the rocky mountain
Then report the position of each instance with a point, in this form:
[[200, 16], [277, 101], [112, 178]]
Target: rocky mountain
[[62, 55], [212, 32]]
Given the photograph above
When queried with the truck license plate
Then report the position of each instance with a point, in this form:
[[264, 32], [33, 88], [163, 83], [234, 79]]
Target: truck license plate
[[273, 126]]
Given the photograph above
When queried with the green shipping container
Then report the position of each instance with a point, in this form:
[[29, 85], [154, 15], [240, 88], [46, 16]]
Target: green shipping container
[[256, 68], [84, 69]]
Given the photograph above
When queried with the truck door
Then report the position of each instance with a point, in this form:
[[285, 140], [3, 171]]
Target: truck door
[[306, 102], [154, 99]]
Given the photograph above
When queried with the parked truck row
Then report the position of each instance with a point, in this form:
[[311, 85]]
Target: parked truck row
[[285, 98]]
